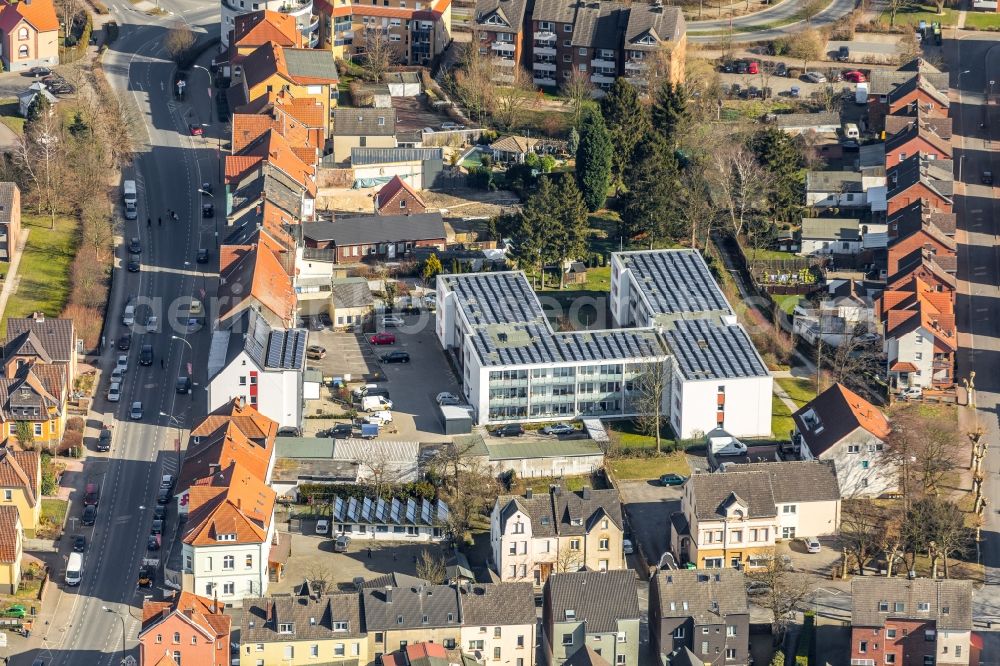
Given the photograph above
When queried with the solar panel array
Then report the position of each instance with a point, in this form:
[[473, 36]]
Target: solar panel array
[[496, 298], [675, 281], [543, 346], [397, 511], [255, 341], [286, 349], [705, 350]]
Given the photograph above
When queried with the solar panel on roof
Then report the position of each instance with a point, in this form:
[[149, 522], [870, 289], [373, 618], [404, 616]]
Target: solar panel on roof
[[366, 510], [425, 512], [442, 511], [338, 509], [394, 512], [411, 511]]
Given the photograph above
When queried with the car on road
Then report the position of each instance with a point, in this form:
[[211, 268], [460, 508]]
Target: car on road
[[163, 495], [391, 320], [202, 256], [114, 392], [843, 54], [289, 431], [146, 355], [157, 527], [396, 357], [134, 246], [153, 542], [322, 526], [627, 546], [145, 577], [383, 338], [125, 342], [780, 69], [316, 352], [854, 76], [196, 130], [814, 77], [558, 429], [446, 398], [509, 430], [160, 511], [128, 316], [812, 545], [135, 413], [672, 479], [104, 440], [17, 610], [183, 385], [79, 543], [122, 363], [89, 515], [167, 481], [207, 210], [987, 178], [134, 263], [341, 544]]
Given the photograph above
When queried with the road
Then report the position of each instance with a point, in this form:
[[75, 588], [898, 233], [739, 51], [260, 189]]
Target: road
[[975, 62], [170, 167], [742, 26]]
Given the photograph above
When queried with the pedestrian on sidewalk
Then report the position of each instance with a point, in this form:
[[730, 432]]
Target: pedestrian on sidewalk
[[161, 364]]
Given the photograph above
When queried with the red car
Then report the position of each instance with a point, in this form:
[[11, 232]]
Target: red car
[[196, 130], [854, 76], [753, 67], [383, 339]]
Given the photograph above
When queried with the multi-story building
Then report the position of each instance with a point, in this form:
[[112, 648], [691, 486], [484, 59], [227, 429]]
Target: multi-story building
[[10, 220], [361, 128], [704, 612], [733, 518], [186, 630], [923, 133], [919, 177], [915, 85], [416, 30], [910, 622], [256, 276], [921, 336], [840, 426], [21, 486], [41, 340], [500, 32], [498, 623], [29, 32], [11, 549], [257, 28], [396, 616], [533, 536], [302, 11], [595, 609]]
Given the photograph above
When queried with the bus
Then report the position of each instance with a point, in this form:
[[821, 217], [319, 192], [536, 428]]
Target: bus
[[74, 569]]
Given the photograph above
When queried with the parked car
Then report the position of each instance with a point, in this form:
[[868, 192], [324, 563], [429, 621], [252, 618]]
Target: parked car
[[289, 431], [391, 320], [854, 76], [207, 210], [558, 429], [812, 545], [381, 417], [118, 375], [341, 431], [153, 542], [627, 546], [114, 392], [40, 71], [509, 430], [159, 511], [183, 385], [122, 363], [911, 393], [780, 69], [128, 315], [756, 588], [167, 481], [814, 77], [742, 66], [322, 526], [672, 479], [383, 338], [163, 495], [134, 246], [396, 357], [135, 413], [89, 515], [446, 398], [17, 610], [315, 352], [104, 440], [341, 544], [843, 54], [196, 130], [145, 577], [794, 91], [92, 494], [753, 67], [79, 543], [125, 342], [134, 263], [728, 67], [157, 527]]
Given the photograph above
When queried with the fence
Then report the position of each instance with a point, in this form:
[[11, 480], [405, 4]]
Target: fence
[[450, 137]]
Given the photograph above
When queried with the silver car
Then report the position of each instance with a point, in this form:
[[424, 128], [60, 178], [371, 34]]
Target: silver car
[[815, 77]]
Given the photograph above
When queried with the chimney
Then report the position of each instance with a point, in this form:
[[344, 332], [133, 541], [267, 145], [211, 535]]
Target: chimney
[[388, 594], [38, 316], [528, 494], [215, 603], [586, 492], [270, 610]]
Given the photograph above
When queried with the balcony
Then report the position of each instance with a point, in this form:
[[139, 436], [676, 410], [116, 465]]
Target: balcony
[[541, 81], [504, 47], [603, 64], [635, 65], [598, 79], [541, 49], [298, 10], [543, 66], [311, 27], [545, 36]]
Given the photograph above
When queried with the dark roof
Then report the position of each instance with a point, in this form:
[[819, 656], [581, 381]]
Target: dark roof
[[364, 122], [599, 598], [665, 24], [311, 64], [364, 156], [52, 337], [949, 601], [713, 493], [411, 607], [273, 348], [833, 181], [914, 217], [393, 579], [502, 297], [510, 12], [312, 617], [833, 415], [497, 604], [793, 481], [919, 82], [7, 191], [935, 174], [675, 281], [882, 81], [377, 229], [705, 596], [831, 228], [562, 512], [559, 11], [600, 26], [351, 293], [706, 350]]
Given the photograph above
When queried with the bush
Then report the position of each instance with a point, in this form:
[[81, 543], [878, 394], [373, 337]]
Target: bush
[[75, 424], [804, 650], [48, 475]]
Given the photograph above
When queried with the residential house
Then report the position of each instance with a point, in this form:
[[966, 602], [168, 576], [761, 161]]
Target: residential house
[[416, 32], [915, 94], [890, 92], [533, 536], [498, 622], [906, 250], [841, 427], [42, 340], [21, 486], [11, 549], [264, 26], [389, 519], [830, 235], [261, 364], [845, 315], [514, 149], [307, 627], [733, 518], [287, 110], [33, 395], [31, 95], [501, 30], [364, 128], [925, 134], [705, 612], [655, 40], [912, 218], [264, 197], [910, 622], [937, 272], [921, 336], [919, 178], [10, 221], [595, 609], [396, 616], [296, 163], [380, 237], [425, 654], [422, 168], [835, 189], [256, 276], [397, 197], [29, 31], [351, 302], [301, 11], [185, 630], [248, 128]]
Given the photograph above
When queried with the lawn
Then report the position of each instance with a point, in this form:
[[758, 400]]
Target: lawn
[[781, 419], [982, 20], [650, 468], [54, 511], [44, 269], [787, 303], [914, 14], [800, 391], [10, 114], [769, 255]]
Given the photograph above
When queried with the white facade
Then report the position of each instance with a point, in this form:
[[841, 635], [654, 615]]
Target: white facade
[[916, 347], [862, 470], [808, 519], [230, 570], [515, 643], [811, 246], [302, 10], [277, 394], [517, 549], [745, 406]]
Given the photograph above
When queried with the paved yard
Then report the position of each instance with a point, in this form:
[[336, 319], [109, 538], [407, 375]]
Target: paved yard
[[346, 353], [411, 115], [648, 507]]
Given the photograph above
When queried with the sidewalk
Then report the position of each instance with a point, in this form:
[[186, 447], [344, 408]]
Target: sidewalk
[[12, 279]]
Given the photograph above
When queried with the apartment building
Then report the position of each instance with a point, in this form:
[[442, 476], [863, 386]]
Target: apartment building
[[10, 220], [500, 30], [302, 11], [533, 536], [910, 622], [416, 30], [921, 336], [498, 623], [186, 630]]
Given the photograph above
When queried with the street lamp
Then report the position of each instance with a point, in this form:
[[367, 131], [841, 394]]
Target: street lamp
[[180, 429], [122, 618]]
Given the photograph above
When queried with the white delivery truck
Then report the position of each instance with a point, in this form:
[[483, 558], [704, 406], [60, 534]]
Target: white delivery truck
[[375, 403], [74, 569], [861, 94], [131, 199]]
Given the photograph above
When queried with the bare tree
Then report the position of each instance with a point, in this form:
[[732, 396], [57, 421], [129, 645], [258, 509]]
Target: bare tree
[[937, 526], [923, 448], [786, 589], [857, 356], [510, 99], [807, 45], [475, 81], [894, 7], [431, 568], [40, 152], [742, 184], [320, 578], [651, 384], [467, 483], [577, 89], [376, 471], [178, 42], [860, 530], [568, 560], [891, 536], [379, 55]]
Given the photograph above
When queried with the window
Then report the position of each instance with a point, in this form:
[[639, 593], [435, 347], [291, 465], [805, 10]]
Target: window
[[177, 637], [704, 647], [620, 660], [249, 561], [583, 67], [378, 636], [883, 607], [622, 636], [923, 606], [929, 634], [567, 639], [890, 658], [928, 660], [38, 429], [313, 650], [289, 652], [918, 356], [8, 495], [863, 647], [159, 638], [243, 381], [496, 654], [899, 607], [570, 614], [513, 548], [582, 51], [574, 544], [520, 641], [177, 657], [602, 544], [854, 448], [890, 633], [194, 640], [789, 508], [737, 536], [228, 562], [679, 632], [496, 632], [340, 626], [285, 628], [339, 650], [568, 27], [22, 33], [958, 650], [705, 630], [730, 630], [713, 562], [730, 654]]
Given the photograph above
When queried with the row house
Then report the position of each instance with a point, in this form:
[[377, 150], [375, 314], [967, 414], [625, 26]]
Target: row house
[[921, 336], [924, 133], [914, 87], [189, 629], [256, 276], [502, 34], [417, 31], [919, 178], [352, 240], [21, 486], [533, 536], [296, 163]]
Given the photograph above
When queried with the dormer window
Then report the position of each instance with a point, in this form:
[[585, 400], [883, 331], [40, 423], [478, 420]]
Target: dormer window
[[312, 621], [576, 521], [225, 537], [340, 626], [286, 628], [570, 614]]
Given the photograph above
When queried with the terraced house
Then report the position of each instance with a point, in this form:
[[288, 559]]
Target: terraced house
[[415, 30], [21, 486]]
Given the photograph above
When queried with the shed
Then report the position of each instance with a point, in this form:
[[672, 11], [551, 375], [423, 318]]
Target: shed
[[25, 99], [403, 84], [456, 419], [311, 381], [576, 273], [375, 95]]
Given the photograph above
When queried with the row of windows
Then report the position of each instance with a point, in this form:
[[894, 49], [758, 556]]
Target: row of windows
[[679, 632], [736, 536], [38, 428]]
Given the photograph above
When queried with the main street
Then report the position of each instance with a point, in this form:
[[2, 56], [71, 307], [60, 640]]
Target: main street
[[86, 627]]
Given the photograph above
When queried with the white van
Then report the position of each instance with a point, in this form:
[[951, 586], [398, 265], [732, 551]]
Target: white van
[[375, 403], [74, 569], [131, 199], [851, 131], [128, 317]]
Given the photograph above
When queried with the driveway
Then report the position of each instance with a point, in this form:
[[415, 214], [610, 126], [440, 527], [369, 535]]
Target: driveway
[[648, 507]]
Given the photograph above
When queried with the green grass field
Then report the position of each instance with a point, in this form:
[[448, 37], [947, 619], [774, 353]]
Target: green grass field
[[10, 115], [916, 13], [983, 20], [44, 269], [781, 419], [650, 468], [800, 391]]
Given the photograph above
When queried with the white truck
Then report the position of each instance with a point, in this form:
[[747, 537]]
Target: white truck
[[375, 403], [131, 199], [721, 443], [861, 94]]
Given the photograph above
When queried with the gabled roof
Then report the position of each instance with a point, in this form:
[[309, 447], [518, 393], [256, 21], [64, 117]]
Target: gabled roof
[[914, 217], [10, 530], [919, 83], [919, 130], [600, 25], [311, 617], [40, 14], [231, 506], [55, 338], [254, 271], [219, 450], [264, 27], [35, 391], [377, 229], [586, 656], [250, 422], [272, 147], [509, 13], [515, 144], [833, 415], [411, 607], [364, 122], [561, 512], [392, 189], [935, 174], [19, 470], [705, 596], [598, 599], [949, 602], [663, 24], [248, 127], [311, 66], [504, 604], [203, 614]]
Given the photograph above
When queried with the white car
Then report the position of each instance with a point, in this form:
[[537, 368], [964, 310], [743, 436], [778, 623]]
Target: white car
[[380, 417], [451, 126], [128, 317], [322, 526], [912, 392], [558, 429], [815, 77], [136, 412], [391, 320], [445, 398], [122, 363], [117, 375], [115, 392], [627, 546], [812, 545]]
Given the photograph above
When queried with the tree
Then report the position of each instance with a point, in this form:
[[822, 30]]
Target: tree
[[178, 42], [786, 589], [467, 484], [320, 579], [390, 288], [573, 141], [568, 560], [652, 207], [431, 568], [475, 81], [651, 383], [567, 237], [40, 153], [778, 153], [627, 122], [860, 530], [923, 449], [536, 221], [936, 526], [742, 185], [895, 6], [24, 431], [432, 267], [669, 111], [578, 90], [379, 54], [856, 357], [593, 160], [510, 99], [807, 45]]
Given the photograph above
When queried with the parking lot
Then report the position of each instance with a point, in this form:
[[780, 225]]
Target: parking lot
[[648, 507]]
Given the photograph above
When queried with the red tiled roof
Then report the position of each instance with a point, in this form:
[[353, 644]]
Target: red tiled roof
[[10, 526], [41, 14], [265, 26], [902, 366], [391, 189], [205, 614], [19, 470], [255, 271], [248, 127], [238, 165], [244, 416], [273, 148], [219, 450], [231, 502]]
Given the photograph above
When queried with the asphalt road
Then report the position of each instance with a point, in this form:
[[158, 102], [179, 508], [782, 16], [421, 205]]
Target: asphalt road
[[169, 170], [742, 26]]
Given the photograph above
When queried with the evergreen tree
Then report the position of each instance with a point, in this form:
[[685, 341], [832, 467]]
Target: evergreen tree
[[777, 152], [432, 267], [536, 221], [669, 111], [593, 160], [567, 238], [627, 122], [653, 208], [572, 141], [39, 106]]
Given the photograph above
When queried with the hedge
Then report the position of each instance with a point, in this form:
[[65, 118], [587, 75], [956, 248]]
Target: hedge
[[322, 492], [804, 650]]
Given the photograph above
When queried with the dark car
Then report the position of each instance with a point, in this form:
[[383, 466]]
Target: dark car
[[341, 431], [396, 357], [509, 430], [104, 440], [207, 210], [163, 495], [183, 385], [157, 527], [672, 479], [843, 54], [159, 512], [727, 67], [735, 90], [125, 342], [780, 69], [79, 543], [39, 71], [89, 515], [202, 256], [146, 355], [145, 577], [742, 67], [134, 263], [325, 319], [134, 246], [153, 542]]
